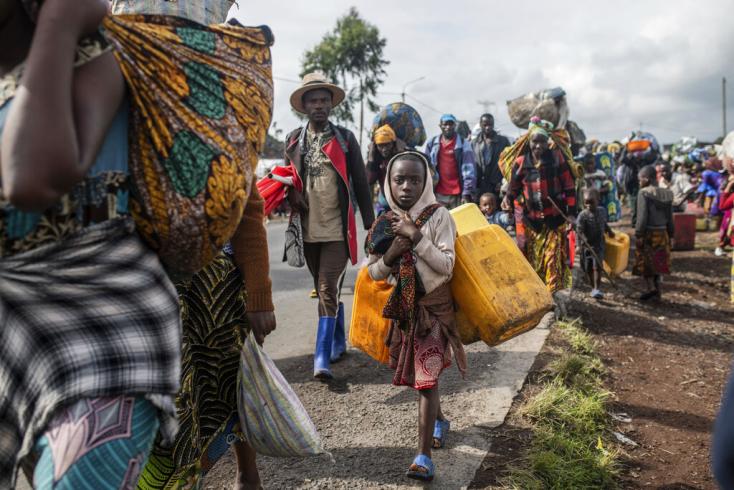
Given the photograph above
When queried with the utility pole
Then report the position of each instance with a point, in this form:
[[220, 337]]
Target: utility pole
[[486, 104], [723, 104]]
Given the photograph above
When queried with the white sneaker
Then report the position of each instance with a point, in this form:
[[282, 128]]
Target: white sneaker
[[719, 252], [596, 294]]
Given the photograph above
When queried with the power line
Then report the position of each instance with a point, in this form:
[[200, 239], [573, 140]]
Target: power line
[[425, 105], [281, 79]]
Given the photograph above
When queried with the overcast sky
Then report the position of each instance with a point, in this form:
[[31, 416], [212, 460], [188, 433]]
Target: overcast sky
[[623, 63]]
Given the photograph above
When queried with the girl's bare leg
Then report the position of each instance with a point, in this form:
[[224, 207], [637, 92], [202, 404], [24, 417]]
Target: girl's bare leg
[[428, 408]]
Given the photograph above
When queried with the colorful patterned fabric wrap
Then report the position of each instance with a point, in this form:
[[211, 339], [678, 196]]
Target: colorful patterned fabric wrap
[[201, 107], [653, 258], [92, 316], [609, 200], [547, 251], [96, 444], [405, 121], [419, 355], [274, 421], [213, 310], [401, 304]]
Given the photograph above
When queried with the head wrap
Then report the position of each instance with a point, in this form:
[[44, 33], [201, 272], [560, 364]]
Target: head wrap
[[448, 118], [384, 134], [540, 126]]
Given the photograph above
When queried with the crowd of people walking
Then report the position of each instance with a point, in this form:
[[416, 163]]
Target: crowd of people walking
[[133, 250]]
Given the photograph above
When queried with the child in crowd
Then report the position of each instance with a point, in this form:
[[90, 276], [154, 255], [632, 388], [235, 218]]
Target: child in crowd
[[591, 224], [595, 178], [490, 208], [412, 246], [653, 232]]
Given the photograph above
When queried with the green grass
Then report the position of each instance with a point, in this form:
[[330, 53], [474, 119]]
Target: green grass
[[570, 423]]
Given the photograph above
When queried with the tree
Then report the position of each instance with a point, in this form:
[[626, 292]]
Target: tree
[[351, 56]]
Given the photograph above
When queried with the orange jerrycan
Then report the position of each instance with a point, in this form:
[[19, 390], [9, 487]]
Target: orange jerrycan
[[616, 253], [498, 294], [368, 329]]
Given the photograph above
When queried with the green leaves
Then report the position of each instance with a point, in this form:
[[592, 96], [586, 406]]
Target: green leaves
[[351, 55]]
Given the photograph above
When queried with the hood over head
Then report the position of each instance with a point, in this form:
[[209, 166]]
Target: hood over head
[[427, 197]]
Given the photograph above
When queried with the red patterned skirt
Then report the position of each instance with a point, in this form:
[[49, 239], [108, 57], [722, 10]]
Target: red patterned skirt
[[418, 360], [653, 258]]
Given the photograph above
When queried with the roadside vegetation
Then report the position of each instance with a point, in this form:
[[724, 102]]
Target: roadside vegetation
[[571, 427]]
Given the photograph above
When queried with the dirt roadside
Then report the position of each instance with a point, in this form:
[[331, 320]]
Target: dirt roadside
[[667, 364]]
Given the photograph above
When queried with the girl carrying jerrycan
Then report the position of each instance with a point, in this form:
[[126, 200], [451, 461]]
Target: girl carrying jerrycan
[[412, 246]]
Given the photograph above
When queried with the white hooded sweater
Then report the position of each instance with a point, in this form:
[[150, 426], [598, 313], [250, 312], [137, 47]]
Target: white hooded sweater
[[435, 253]]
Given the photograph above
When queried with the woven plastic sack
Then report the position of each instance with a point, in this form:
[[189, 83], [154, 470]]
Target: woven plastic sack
[[272, 417], [201, 102], [202, 11], [549, 105], [405, 121]]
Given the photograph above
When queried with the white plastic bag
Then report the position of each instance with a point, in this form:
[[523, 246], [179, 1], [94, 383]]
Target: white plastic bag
[[273, 420], [294, 250]]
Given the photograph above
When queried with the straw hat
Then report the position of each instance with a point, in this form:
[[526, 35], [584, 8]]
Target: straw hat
[[314, 81]]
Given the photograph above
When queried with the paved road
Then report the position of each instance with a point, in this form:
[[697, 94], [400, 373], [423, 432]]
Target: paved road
[[369, 426]]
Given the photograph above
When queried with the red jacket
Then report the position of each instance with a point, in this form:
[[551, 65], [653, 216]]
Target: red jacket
[[346, 157]]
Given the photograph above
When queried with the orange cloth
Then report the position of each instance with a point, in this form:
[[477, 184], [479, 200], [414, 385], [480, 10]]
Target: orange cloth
[[250, 246], [384, 134]]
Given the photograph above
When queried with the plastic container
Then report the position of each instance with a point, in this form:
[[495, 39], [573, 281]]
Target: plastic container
[[468, 218], [368, 329], [616, 253], [685, 231], [498, 294]]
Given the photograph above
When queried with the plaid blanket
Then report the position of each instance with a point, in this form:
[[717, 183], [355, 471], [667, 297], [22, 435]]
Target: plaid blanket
[[92, 316]]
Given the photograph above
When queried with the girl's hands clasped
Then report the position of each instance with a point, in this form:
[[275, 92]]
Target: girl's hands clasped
[[403, 226]]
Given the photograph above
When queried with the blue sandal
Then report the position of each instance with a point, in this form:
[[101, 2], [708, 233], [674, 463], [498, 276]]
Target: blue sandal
[[421, 469], [440, 429]]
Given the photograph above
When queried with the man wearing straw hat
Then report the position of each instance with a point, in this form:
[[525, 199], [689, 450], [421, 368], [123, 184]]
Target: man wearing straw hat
[[329, 161]]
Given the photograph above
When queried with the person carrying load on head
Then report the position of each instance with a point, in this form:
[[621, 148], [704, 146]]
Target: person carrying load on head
[[384, 145], [230, 295], [542, 179]]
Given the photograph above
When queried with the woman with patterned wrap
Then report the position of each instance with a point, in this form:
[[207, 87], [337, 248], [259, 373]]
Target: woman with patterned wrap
[[542, 180], [232, 294]]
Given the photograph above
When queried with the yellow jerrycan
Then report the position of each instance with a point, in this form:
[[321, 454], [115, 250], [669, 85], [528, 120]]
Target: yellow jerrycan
[[616, 253], [368, 329], [497, 292]]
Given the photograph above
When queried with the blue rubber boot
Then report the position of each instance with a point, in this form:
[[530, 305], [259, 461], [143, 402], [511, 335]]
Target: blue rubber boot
[[339, 346], [324, 339]]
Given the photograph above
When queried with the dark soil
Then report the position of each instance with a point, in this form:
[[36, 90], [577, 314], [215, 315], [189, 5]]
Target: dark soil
[[667, 364]]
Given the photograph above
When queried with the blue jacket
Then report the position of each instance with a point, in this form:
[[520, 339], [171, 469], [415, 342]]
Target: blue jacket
[[464, 159]]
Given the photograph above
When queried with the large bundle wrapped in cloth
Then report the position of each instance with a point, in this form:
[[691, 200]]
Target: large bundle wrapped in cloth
[[201, 102], [549, 105], [404, 120]]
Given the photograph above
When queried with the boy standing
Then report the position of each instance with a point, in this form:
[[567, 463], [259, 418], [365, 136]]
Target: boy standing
[[591, 224]]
